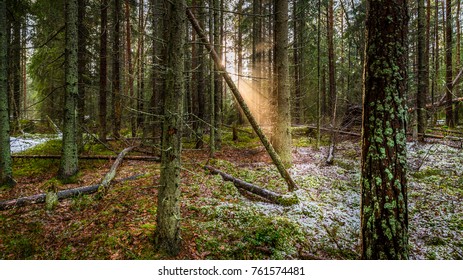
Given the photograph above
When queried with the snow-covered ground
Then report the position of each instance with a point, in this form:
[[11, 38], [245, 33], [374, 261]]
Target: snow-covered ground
[[329, 208], [20, 144]]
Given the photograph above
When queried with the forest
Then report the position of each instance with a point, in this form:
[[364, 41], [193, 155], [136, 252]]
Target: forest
[[236, 130]]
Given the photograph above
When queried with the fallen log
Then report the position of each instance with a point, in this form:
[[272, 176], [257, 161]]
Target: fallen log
[[101, 188], [40, 198], [285, 200], [88, 157], [336, 131]]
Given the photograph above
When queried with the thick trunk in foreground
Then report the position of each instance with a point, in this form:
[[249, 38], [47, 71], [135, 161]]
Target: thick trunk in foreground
[[236, 93], [69, 160], [6, 171], [167, 235], [384, 214]]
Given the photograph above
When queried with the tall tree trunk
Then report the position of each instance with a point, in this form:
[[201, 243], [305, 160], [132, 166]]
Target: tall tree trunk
[[141, 64], [128, 47], [281, 94], [436, 61], [82, 69], [332, 79], [16, 69], [102, 104], [116, 71], [69, 160], [384, 214], [449, 117], [297, 26], [167, 236], [257, 54], [6, 170], [331, 58], [423, 75], [218, 85], [458, 59], [239, 51]]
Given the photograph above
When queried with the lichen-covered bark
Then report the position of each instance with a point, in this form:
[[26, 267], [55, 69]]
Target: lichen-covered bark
[[384, 214], [167, 236], [281, 94], [6, 171], [69, 160]]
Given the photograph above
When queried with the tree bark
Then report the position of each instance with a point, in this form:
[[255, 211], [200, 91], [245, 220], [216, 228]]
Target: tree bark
[[271, 151], [281, 94], [102, 104], [6, 170], [116, 107], [423, 75], [128, 47], [82, 35], [449, 117], [384, 212], [167, 236], [69, 161]]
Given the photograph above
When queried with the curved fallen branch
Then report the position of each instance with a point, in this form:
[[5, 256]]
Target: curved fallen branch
[[285, 200], [40, 198], [100, 188]]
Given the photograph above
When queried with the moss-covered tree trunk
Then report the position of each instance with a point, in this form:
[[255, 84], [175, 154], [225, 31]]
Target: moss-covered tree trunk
[[167, 236], [69, 160], [102, 100], [6, 171], [384, 215], [281, 94]]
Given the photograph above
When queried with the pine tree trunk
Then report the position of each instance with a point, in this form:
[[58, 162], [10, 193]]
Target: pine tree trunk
[[167, 236], [16, 69], [282, 124], [6, 171], [102, 103], [128, 47], [449, 117], [458, 60], [423, 76], [116, 107], [218, 85], [82, 69], [69, 160], [384, 214]]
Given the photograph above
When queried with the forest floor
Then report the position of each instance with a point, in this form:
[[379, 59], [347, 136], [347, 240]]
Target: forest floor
[[220, 222]]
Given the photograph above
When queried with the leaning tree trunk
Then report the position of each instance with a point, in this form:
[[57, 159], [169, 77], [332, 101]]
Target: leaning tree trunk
[[167, 236], [384, 214], [69, 160], [239, 98], [6, 171]]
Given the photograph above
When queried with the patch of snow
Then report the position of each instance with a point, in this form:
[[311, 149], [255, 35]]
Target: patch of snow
[[20, 144]]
